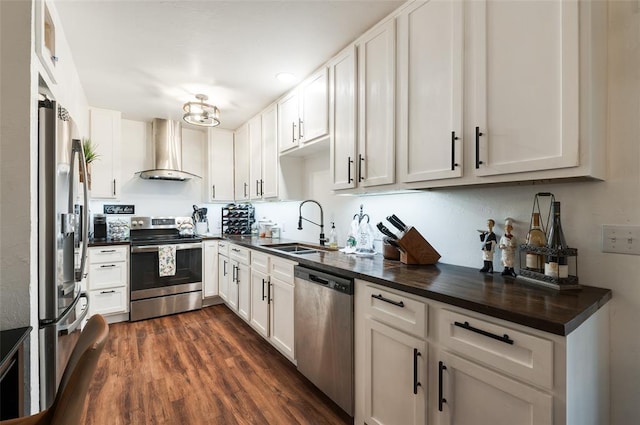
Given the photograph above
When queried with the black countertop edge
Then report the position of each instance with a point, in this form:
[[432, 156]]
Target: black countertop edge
[[108, 242], [10, 341], [562, 328]]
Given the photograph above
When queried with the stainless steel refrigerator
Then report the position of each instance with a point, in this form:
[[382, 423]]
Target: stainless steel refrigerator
[[62, 244]]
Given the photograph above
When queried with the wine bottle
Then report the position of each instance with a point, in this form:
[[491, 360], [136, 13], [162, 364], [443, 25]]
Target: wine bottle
[[537, 238], [556, 264]]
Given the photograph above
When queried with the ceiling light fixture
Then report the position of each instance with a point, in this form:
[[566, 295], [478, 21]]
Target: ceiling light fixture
[[200, 113]]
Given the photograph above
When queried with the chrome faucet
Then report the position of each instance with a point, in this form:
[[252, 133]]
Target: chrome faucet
[[300, 218]]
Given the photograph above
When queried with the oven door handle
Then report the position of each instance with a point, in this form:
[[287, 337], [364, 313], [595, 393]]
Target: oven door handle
[[155, 248]]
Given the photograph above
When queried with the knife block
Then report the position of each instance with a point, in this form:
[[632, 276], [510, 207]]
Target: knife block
[[414, 249]]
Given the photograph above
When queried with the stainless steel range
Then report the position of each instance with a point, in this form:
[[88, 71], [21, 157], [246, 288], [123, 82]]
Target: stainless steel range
[[166, 267]]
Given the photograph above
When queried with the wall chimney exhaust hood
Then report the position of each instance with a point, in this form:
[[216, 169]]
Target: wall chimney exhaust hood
[[167, 152]]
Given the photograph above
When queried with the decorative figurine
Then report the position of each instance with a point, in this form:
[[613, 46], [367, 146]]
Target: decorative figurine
[[508, 245], [489, 242]]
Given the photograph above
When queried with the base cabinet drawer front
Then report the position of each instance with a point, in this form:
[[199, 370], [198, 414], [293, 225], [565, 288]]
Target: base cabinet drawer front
[[469, 394], [282, 270], [518, 353], [110, 254], [107, 275], [108, 301], [240, 254], [223, 248], [395, 376], [260, 262], [396, 309]]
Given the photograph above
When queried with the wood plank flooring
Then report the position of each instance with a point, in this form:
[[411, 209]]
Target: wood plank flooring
[[201, 367]]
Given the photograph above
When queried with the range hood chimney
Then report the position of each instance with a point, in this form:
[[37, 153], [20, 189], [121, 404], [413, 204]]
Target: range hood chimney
[[167, 152]]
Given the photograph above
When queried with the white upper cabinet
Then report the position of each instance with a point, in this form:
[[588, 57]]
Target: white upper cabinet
[[343, 118], [288, 122], [270, 169], [524, 65], [376, 115], [241, 161], [314, 107], [219, 187], [430, 78], [256, 181], [106, 136]]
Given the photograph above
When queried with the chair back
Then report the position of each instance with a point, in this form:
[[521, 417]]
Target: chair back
[[68, 406]]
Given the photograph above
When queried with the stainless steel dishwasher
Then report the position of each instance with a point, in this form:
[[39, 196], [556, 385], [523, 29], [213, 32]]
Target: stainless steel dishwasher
[[324, 333]]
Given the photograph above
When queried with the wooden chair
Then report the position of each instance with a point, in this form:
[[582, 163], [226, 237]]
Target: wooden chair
[[68, 406]]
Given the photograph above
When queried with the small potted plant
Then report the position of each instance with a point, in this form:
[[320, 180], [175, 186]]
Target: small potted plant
[[90, 155]]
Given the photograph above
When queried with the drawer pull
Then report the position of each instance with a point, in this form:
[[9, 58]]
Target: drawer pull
[[235, 250], [108, 292], [106, 251], [387, 300], [107, 266], [416, 384], [441, 399], [505, 338]]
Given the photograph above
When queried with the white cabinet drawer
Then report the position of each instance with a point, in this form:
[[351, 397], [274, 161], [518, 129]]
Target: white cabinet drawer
[[282, 269], [107, 275], [223, 248], [518, 353], [108, 301], [396, 309], [260, 262], [108, 254], [240, 254]]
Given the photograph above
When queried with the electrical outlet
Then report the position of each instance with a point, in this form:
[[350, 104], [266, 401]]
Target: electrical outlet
[[621, 239]]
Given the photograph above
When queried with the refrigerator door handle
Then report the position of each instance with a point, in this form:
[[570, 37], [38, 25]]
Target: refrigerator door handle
[[67, 329], [76, 147]]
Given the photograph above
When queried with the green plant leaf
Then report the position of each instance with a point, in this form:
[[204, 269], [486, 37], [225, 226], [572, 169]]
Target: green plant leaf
[[90, 151]]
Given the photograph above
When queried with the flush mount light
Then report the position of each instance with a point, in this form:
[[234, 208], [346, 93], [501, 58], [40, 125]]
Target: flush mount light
[[200, 113], [286, 77]]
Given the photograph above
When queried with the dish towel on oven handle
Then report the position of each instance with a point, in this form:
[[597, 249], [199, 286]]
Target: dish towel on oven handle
[[167, 260]]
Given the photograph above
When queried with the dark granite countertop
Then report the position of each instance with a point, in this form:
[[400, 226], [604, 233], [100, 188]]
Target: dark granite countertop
[[10, 341], [557, 312]]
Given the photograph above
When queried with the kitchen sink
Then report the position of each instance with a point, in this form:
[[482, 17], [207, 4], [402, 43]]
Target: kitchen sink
[[298, 248]]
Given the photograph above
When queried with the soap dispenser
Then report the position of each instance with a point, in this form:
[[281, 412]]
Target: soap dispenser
[[333, 237]]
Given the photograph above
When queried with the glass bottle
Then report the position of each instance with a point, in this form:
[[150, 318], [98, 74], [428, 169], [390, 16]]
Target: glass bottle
[[556, 264], [537, 238], [333, 237]]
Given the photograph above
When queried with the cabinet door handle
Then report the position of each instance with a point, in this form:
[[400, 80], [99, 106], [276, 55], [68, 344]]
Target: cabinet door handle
[[454, 164], [293, 132], [269, 298], [505, 338], [213, 191], [387, 300], [300, 132], [441, 399], [108, 292], [235, 274], [224, 268], [349, 162], [257, 188], [416, 384], [107, 266], [261, 187], [361, 161], [114, 187], [245, 186], [263, 295], [478, 134]]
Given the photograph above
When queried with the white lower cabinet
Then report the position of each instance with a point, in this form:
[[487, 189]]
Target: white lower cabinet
[[223, 270], [470, 394], [210, 269], [271, 294], [108, 282], [395, 377], [480, 369]]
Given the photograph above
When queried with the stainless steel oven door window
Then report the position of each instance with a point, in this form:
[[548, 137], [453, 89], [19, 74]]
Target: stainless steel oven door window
[[145, 267]]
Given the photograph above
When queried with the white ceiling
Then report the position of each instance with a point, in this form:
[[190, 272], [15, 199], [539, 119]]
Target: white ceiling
[[146, 58]]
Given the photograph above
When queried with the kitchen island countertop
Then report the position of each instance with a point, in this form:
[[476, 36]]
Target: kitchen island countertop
[[557, 312]]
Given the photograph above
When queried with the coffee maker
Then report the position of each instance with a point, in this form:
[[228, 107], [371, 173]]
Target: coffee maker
[[100, 227]]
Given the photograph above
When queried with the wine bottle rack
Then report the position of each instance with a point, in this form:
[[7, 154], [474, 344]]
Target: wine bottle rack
[[237, 219], [533, 276]]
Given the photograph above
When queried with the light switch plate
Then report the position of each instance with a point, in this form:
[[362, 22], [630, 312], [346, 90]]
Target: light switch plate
[[621, 239]]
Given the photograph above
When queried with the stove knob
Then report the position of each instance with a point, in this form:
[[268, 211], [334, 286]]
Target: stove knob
[[140, 223]]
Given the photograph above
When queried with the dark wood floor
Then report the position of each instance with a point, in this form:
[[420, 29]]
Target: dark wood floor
[[202, 367]]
